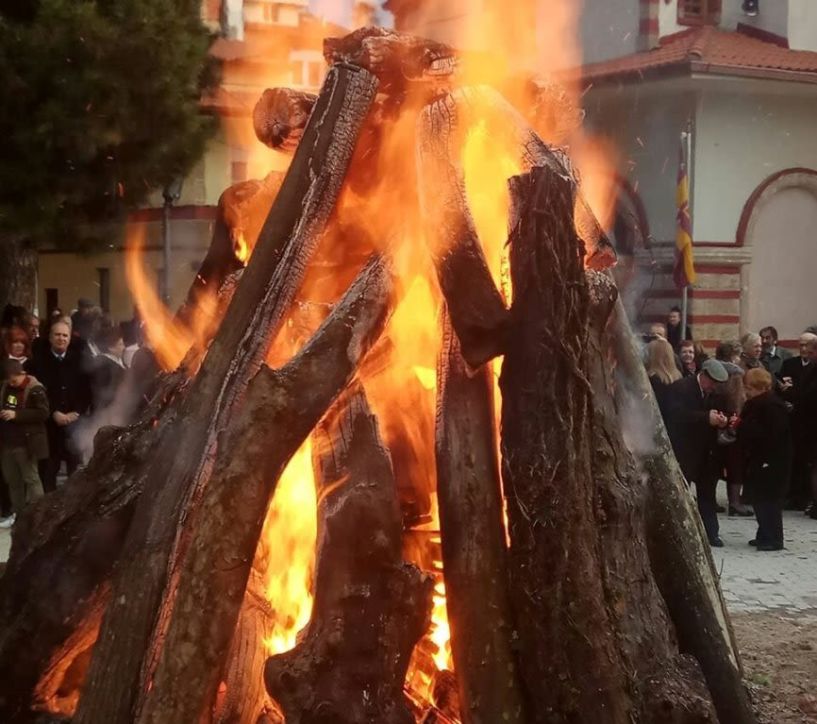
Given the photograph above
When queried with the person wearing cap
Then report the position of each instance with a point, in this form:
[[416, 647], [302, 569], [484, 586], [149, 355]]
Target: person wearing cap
[[23, 440], [693, 423]]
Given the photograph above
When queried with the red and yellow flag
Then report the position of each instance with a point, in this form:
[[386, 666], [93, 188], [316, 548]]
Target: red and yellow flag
[[684, 271]]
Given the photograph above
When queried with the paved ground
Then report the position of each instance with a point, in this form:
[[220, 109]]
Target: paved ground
[[752, 581]]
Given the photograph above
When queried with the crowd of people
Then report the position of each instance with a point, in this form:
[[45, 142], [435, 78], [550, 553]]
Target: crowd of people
[[748, 416], [57, 389]]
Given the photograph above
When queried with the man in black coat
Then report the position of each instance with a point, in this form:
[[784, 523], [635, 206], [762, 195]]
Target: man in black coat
[[793, 373], [692, 426], [61, 371]]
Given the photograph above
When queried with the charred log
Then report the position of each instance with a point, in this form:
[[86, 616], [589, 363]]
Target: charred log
[[473, 541], [280, 116], [680, 558], [569, 662], [131, 635], [396, 59], [478, 314], [370, 608], [279, 411]]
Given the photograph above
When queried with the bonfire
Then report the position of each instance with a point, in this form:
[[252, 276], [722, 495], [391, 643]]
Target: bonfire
[[387, 476]]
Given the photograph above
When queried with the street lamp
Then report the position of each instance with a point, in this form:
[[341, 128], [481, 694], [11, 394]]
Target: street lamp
[[171, 193]]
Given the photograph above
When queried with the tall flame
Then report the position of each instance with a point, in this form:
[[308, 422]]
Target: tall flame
[[289, 536]]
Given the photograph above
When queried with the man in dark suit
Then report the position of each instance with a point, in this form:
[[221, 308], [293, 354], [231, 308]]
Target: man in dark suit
[[61, 370], [772, 356], [692, 425], [806, 418], [792, 375]]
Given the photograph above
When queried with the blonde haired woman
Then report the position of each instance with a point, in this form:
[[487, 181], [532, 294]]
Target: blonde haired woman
[[662, 370]]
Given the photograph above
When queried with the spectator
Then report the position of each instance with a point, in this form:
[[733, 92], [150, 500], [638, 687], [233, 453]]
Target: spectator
[[662, 371], [807, 418], [16, 344], [673, 335], [109, 370], [772, 356], [728, 456], [765, 438], [23, 440], [686, 353], [658, 331], [130, 336], [693, 426], [752, 347], [792, 374], [61, 371], [32, 328]]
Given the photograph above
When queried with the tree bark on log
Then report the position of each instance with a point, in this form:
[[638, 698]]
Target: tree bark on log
[[143, 588], [478, 314], [569, 662], [242, 698], [370, 607], [680, 559], [473, 540], [669, 687], [280, 409]]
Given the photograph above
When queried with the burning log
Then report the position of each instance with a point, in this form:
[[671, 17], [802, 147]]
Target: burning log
[[280, 116], [131, 635], [473, 541], [280, 409], [396, 59], [680, 559], [242, 697], [557, 591], [370, 607], [478, 314]]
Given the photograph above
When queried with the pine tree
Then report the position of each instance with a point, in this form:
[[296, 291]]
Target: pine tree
[[99, 105]]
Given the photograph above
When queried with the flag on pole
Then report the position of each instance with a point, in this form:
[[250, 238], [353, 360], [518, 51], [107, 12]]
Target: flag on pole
[[684, 272]]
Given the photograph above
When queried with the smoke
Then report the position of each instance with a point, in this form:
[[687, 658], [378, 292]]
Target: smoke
[[120, 413]]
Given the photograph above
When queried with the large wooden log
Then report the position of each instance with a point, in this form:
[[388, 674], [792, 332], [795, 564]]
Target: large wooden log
[[569, 660], [242, 698], [280, 410], [133, 628], [478, 314], [681, 560], [370, 607], [668, 686], [473, 540]]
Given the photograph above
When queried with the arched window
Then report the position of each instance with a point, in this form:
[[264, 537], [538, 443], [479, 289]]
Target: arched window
[[699, 12]]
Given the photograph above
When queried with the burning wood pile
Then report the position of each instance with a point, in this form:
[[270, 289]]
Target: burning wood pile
[[140, 591]]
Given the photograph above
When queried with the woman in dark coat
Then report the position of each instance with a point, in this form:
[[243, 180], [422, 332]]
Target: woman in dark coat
[[763, 434]]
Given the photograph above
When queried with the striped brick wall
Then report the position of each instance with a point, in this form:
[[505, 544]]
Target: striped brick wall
[[714, 301]]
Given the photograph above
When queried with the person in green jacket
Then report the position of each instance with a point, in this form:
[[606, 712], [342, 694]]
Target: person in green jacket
[[23, 439]]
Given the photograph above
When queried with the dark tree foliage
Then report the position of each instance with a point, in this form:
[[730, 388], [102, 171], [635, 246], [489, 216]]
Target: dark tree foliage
[[99, 105]]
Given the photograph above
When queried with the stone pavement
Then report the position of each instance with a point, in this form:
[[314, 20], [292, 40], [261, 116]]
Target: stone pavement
[[752, 581], [780, 581]]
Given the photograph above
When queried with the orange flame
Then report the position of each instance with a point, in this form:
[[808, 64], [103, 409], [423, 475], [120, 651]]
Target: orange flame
[[169, 338], [289, 536], [242, 249]]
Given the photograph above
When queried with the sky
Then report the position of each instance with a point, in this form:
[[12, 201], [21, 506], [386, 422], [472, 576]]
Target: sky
[[338, 11]]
